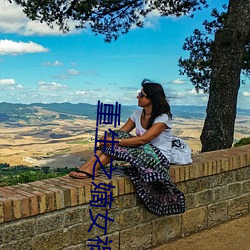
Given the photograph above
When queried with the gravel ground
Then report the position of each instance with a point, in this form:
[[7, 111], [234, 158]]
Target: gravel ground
[[232, 235]]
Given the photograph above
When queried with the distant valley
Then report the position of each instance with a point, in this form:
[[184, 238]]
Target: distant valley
[[63, 134]]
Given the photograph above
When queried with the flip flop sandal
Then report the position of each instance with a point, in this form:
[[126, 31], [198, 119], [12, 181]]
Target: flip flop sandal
[[87, 175]]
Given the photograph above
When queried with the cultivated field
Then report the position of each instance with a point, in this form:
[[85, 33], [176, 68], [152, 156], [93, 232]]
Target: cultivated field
[[64, 143]]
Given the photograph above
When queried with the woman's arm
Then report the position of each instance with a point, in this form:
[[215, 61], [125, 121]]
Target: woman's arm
[[128, 126], [135, 141], [150, 135]]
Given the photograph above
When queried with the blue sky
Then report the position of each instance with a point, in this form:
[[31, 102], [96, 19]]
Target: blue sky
[[38, 64]]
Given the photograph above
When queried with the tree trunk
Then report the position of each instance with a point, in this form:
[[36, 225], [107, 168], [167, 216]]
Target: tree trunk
[[227, 56]]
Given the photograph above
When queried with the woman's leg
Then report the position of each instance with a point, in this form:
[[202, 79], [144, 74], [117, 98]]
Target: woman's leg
[[88, 166], [91, 160]]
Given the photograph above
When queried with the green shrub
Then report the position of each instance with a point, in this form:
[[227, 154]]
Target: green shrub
[[242, 142], [23, 174]]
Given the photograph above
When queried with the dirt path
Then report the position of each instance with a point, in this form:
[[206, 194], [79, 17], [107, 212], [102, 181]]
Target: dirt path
[[233, 235]]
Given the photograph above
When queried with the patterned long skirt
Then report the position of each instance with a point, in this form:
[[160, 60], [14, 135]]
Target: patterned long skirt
[[149, 172]]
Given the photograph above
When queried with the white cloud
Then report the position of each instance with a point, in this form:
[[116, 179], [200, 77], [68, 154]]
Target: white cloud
[[19, 86], [51, 86], [178, 81], [10, 84], [13, 20], [15, 48], [55, 63], [180, 94], [152, 19], [73, 72], [187, 97], [7, 82], [80, 92], [192, 92], [246, 93]]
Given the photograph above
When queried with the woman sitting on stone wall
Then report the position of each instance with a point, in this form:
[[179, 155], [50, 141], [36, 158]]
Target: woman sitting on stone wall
[[148, 152]]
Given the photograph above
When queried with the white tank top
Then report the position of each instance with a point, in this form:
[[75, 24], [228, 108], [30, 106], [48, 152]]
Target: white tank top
[[163, 141]]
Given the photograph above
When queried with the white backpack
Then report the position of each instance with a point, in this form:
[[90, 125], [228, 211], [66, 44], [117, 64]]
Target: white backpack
[[180, 152]]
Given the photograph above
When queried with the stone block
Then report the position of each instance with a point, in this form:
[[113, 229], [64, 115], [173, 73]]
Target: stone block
[[70, 196], [225, 165], [203, 198], [238, 206], [248, 159], [41, 201], [166, 228], [138, 200], [202, 170], [174, 173], [77, 247], [7, 209], [124, 202], [79, 233], [194, 220], [240, 174], [210, 168], [33, 205], [1, 235], [181, 175], [127, 185], [18, 230], [225, 178], [196, 185], [49, 222], [24, 244], [136, 238], [243, 160], [190, 203], [59, 198], [130, 217], [87, 193], [220, 193], [16, 204], [112, 226], [114, 238], [247, 171], [53, 240], [50, 201], [115, 190], [182, 186], [76, 215], [1, 212], [121, 185], [221, 179], [65, 197], [216, 169], [217, 213], [245, 186], [234, 189]]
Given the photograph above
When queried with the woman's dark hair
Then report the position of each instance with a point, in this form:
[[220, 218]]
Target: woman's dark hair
[[156, 94]]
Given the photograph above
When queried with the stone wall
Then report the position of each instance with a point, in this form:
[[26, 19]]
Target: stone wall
[[54, 214]]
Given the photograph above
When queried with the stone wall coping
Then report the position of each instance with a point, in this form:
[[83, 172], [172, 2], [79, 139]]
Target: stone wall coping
[[39, 197]]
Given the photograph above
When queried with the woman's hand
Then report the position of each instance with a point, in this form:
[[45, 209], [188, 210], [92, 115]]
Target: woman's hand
[[109, 141]]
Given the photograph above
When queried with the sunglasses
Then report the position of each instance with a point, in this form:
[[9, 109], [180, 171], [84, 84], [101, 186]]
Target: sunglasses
[[140, 94]]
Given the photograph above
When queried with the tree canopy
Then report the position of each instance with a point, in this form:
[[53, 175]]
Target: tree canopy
[[198, 67], [109, 17]]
